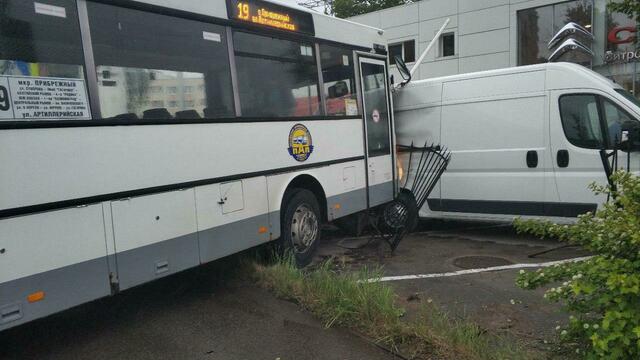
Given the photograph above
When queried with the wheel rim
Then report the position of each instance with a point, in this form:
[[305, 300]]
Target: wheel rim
[[304, 228]]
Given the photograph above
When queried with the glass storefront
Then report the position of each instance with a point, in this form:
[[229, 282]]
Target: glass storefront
[[615, 44], [620, 61], [537, 26]]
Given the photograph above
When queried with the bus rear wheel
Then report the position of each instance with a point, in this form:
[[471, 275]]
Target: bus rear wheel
[[301, 226]]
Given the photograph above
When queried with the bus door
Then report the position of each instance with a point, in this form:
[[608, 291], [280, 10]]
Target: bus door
[[378, 128]]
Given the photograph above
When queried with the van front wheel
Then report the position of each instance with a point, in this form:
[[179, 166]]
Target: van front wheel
[[301, 226]]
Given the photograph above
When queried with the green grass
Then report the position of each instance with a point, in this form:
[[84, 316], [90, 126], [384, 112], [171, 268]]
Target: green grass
[[345, 299]]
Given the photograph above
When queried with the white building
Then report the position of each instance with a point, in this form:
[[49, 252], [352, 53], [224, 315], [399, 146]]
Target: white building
[[492, 34]]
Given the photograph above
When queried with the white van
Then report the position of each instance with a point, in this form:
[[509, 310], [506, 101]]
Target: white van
[[525, 141]]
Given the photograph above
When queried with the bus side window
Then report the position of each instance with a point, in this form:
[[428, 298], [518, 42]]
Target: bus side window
[[156, 67], [339, 80], [40, 58], [276, 77]]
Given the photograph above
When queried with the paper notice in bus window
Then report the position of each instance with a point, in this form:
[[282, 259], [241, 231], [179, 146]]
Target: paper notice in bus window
[[345, 60], [42, 98], [351, 107], [306, 50], [51, 10], [211, 36]]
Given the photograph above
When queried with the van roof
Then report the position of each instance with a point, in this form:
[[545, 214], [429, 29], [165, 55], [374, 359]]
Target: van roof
[[575, 72]]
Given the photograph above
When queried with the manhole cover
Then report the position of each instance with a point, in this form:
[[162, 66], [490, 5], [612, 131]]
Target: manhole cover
[[475, 262]]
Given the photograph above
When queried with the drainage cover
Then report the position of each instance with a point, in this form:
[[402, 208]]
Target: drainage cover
[[476, 262]]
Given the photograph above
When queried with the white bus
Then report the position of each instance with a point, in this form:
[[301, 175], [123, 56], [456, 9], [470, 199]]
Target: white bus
[[142, 138]]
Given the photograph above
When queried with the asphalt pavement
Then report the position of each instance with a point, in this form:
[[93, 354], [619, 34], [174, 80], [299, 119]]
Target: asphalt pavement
[[192, 315], [489, 298], [205, 313]]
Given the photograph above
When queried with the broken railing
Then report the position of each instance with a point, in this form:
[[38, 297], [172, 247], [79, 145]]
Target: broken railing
[[420, 169]]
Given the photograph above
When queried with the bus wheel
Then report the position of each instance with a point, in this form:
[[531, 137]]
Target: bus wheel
[[301, 226]]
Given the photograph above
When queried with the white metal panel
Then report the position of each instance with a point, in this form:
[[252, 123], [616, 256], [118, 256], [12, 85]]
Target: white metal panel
[[38, 243], [380, 170], [231, 197], [215, 8], [430, 9], [484, 62], [69, 163], [471, 5], [349, 178], [489, 142], [401, 15], [484, 43], [484, 20], [418, 126], [402, 33], [425, 94], [370, 19], [210, 212], [488, 86], [330, 178], [490, 125], [443, 67], [152, 219], [347, 32]]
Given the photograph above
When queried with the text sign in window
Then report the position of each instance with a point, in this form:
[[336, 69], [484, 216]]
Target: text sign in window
[[37, 98]]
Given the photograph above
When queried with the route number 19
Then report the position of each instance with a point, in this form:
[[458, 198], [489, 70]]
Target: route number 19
[[243, 11]]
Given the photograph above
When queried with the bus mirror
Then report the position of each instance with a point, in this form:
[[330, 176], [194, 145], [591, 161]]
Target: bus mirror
[[630, 136], [402, 68]]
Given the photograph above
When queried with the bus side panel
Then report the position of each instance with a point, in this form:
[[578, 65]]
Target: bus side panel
[[232, 217], [143, 157], [50, 262], [155, 236], [344, 186]]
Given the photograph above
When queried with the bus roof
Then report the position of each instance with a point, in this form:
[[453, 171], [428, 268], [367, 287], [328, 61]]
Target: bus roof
[[326, 27]]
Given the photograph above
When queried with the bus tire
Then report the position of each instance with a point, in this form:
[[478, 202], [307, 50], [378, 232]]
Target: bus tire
[[301, 225]]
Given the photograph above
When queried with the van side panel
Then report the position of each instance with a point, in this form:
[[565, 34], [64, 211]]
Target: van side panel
[[493, 86], [490, 141], [417, 113]]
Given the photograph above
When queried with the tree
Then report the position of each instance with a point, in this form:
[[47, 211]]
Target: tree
[[630, 8], [347, 8], [602, 293]]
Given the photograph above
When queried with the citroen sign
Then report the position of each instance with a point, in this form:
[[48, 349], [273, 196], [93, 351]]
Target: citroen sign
[[568, 39]]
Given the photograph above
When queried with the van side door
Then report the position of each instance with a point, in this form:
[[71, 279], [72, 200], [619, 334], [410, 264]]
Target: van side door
[[499, 153], [582, 123]]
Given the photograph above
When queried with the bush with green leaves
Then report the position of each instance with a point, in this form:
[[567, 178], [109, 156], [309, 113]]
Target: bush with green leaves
[[602, 293]]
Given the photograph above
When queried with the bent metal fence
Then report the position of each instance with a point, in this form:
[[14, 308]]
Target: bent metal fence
[[420, 170], [422, 175]]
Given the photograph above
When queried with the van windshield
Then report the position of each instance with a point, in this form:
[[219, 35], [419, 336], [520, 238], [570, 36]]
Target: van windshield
[[629, 96]]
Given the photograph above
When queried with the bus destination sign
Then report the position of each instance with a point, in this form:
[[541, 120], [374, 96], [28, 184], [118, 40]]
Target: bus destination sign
[[267, 14]]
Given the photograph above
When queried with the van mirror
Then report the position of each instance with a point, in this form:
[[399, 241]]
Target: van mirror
[[630, 136], [402, 68]]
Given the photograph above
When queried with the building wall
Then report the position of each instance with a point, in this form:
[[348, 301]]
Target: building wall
[[485, 31]]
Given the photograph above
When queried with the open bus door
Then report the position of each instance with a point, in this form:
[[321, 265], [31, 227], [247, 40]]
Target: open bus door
[[378, 127]]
